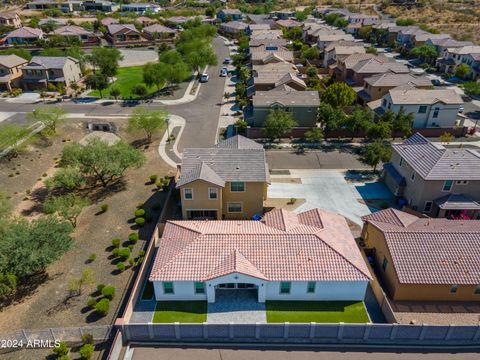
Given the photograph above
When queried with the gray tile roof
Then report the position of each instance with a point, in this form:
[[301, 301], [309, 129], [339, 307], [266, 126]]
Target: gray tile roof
[[230, 160], [408, 96], [11, 61], [379, 65], [435, 162], [457, 202], [290, 98], [49, 62], [393, 79]]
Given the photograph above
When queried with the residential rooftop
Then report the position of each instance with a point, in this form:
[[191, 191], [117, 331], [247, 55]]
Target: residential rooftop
[[408, 96], [287, 97]]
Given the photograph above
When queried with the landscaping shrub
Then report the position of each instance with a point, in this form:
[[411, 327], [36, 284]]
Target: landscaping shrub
[[124, 253], [140, 221], [86, 351], [104, 207], [115, 251], [91, 303], [133, 237], [121, 266], [109, 291], [131, 261], [130, 247], [159, 185], [139, 213], [141, 253], [116, 242], [140, 260], [87, 338], [100, 287], [153, 178], [61, 350], [102, 307], [92, 257]]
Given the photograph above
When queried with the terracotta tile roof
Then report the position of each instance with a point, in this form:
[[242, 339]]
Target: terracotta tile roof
[[314, 245], [265, 52], [116, 28], [435, 162], [431, 251]]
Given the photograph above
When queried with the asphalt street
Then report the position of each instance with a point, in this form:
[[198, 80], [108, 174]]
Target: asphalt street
[[201, 114]]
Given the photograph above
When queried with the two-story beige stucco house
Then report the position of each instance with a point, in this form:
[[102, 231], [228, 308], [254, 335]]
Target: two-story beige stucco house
[[11, 71], [438, 181], [227, 181]]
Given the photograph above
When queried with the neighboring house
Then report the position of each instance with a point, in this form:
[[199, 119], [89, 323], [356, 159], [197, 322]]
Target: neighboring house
[[433, 108], [311, 31], [286, 256], [302, 104], [10, 19], [227, 181], [363, 19], [288, 24], [269, 54], [453, 57], [406, 37], [266, 35], [340, 50], [226, 15], [177, 21], [268, 42], [64, 6], [282, 14], [140, 8], [100, 5], [258, 27], [377, 86], [108, 21], [52, 21], [234, 28], [423, 259], [84, 36], [373, 66], [124, 34], [438, 181], [158, 31], [343, 71], [326, 37], [420, 39], [270, 76], [44, 70], [145, 21], [11, 71], [24, 36], [443, 44]]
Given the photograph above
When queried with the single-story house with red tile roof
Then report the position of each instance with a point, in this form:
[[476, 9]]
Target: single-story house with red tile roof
[[286, 256]]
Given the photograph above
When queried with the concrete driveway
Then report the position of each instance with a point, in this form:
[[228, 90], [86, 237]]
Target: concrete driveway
[[328, 189]]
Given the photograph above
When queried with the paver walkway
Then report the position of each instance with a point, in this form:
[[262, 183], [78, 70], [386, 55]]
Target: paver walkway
[[237, 306]]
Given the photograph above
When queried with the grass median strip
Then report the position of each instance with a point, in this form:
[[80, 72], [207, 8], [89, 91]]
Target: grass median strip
[[316, 311], [180, 311]]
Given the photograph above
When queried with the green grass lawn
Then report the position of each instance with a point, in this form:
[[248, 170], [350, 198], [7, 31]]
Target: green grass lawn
[[180, 311], [127, 78], [316, 311]]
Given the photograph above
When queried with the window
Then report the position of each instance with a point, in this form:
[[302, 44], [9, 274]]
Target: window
[[461, 182], [235, 207], [188, 194], [412, 177], [237, 186], [384, 102], [422, 109], [199, 288], [428, 206], [384, 263], [311, 287], [212, 193], [401, 161], [435, 113], [447, 185], [454, 289], [477, 290], [285, 287], [168, 287]]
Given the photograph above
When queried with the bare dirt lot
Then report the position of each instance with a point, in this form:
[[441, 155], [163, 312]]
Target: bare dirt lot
[[42, 304]]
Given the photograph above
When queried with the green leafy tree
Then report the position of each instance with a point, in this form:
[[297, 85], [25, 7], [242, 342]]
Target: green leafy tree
[[23, 53], [10, 137], [97, 82], [201, 57], [115, 92], [294, 33], [376, 152], [311, 53], [446, 138], [100, 161], [365, 32], [312, 71], [339, 94], [240, 126], [147, 121], [359, 120], [462, 71], [427, 53], [86, 351], [65, 179], [402, 122], [372, 50], [28, 247], [278, 123], [314, 135], [50, 117], [380, 130], [471, 88], [140, 90], [330, 118], [301, 15], [106, 60], [153, 75], [61, 350], [8, 283], [68, 207]]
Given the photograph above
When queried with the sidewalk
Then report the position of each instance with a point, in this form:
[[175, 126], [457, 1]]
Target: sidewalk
[[170, 154]]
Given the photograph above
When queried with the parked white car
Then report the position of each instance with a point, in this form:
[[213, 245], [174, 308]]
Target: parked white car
[[224, 72], [204, 78]]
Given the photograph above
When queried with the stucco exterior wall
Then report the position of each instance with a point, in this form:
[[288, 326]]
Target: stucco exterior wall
[[183, 290], [200, 199], [251, 199], [324, 290]]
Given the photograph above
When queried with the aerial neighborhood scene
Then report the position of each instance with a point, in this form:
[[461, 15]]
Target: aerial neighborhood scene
[[240, 179]]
